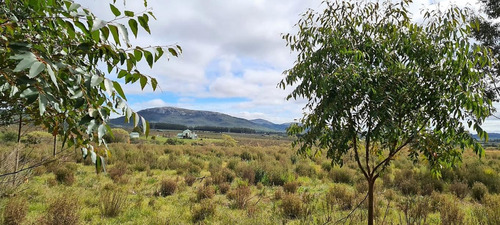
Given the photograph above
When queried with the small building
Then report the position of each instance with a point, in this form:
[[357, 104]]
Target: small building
[[134, 135], [187, 134]]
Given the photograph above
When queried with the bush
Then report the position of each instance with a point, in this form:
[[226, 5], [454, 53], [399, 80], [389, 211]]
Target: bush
[[205, 209], [15, 211], [291, 206], [174, 141], [189, 180], [247, 173], [223, 175], [65, 175], [116, 172], [479, 190], [112, 203], [63, 211], [306, 170], [449, 211], [291, 187], [168, 187], [415, 209], [224, 188], [205, 192], [340, 195], [9, 136], [240, 196], [326, 166], [341, 175], [246, 156], [119, 136], [459, 189]]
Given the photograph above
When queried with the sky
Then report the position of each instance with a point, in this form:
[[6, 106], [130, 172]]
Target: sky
[[233, 54]]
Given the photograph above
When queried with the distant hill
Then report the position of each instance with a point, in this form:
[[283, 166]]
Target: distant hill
[[197, 118], [491, 136]]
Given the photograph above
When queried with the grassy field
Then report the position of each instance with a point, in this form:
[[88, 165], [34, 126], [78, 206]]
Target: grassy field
[[240, 179]]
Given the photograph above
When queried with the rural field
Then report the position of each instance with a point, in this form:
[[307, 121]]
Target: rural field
[[236, 179]]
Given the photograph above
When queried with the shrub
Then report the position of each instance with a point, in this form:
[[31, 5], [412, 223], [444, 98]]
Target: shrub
[[224, 188], [340, 195], [479, 190], [189, 180], [233, 164], [116, 172], [205, 192], [174, 141], [449, 210], [240, 196], [459, 189], [247, 173], [415, 209], [291, 187], [63, 211], [119, 136], [9, 136], [326, 166], [15, 211], [65, 175], [246, 156], [306, 170], [291, 206], [112, 203], [168, 187], [205, 209], [341, 175], [223, 175], [228, 141], [276, 176], [492, 206]]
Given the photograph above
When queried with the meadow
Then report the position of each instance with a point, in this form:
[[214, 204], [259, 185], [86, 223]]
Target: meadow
[[237, 179]]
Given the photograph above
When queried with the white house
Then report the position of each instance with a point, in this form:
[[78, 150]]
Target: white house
[[187, 134]]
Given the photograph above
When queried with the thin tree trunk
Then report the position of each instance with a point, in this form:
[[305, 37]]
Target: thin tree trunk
[[371, 185], [16, 167], [55, 145]]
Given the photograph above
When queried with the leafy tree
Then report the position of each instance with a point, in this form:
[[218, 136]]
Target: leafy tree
[[489, 35], [378, 83], [49, 56]]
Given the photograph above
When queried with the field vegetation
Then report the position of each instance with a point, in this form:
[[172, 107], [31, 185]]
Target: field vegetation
[[239, 179]]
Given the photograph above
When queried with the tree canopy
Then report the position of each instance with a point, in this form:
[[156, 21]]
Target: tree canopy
[[50, 55], [377, 82]]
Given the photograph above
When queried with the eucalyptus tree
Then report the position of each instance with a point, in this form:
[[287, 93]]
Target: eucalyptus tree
[[51, 52], [379, 84]]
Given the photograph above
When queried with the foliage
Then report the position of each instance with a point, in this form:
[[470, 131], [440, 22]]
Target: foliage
[[228, 141], [291, 206], [376, 82], [205, 192], [205, 209], [63, 211], [112, 203], [15, 211], [49, 55], [117, 135], [240, 196], [478, 191], [168, 187], [65, 175]]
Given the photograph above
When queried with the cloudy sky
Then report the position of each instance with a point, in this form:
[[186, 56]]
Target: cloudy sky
[[233, 55]]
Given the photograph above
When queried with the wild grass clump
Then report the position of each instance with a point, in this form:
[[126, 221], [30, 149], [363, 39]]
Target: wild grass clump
[[63, 211], [15, 211], [116, 172], [449, 208], [341, 175], [112, 203], [189, 180], [224, 188], [205, 192], [65, 175], [341, 196], [168, 187], [203, 210], [240, 196], [291, 206], [291, 187], [478, 191], [305, 169], [460, 189]]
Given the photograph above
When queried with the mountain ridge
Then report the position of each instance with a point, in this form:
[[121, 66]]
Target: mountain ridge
[[201, 118]]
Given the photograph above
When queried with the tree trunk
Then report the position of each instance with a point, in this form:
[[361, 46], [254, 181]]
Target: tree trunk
[[16, 167], [371, 187], [55, 145]]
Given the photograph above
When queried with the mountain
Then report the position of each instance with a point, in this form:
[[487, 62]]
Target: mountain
[[491, 136], [271, 125], [197, 118]]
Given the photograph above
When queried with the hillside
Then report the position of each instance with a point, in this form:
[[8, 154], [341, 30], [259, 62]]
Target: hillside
[[197, 118]]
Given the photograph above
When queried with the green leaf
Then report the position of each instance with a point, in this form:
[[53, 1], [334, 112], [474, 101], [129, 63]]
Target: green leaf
[[136, 119], [28, 92], [25, 64], [74, 7], [119, 90], [143, 20], [143, 80], [36, 68], [108, 85], [154, 83], [101, 131], [138, 55], [52, 76], [96, 80], [115, 10], [114, 33], [173, 52], [149, 58], [123, 32], [42, 103], [77, 95], [129, 13], [98, 24], [133, 26]]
